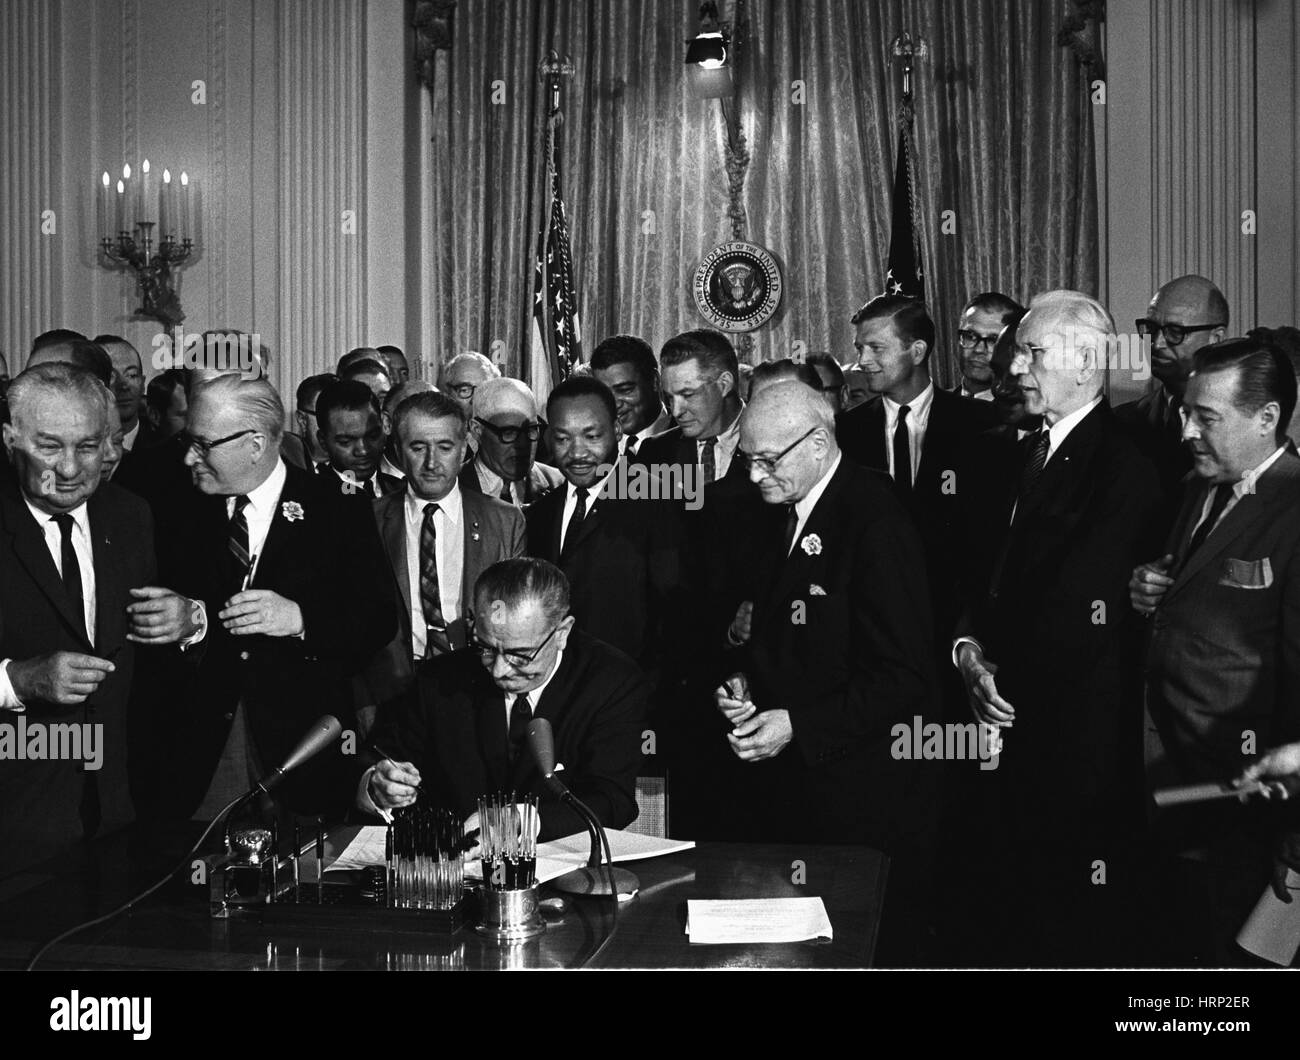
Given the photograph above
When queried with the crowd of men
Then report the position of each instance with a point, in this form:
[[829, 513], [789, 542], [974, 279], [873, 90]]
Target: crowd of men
[[824, 602]]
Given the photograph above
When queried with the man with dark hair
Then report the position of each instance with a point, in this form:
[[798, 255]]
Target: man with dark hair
[[390, 463], [622, 557], [627, 365], [1223, 662], [1287, 340], [304, 415], [57, 337], [165, 404], [766, 373], [350, 430], [80, 352], [371, 372], [460, 729], [831, 378], [128, 390], [980, 324], [398, 370], [438, 539], [357, 355], [857, 390]]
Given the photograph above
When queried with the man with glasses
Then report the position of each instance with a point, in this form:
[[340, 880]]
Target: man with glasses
[[506, 429], [981, 322], [1184, 316], [305, 417], [281, 594], [460, 731], [463, 374]]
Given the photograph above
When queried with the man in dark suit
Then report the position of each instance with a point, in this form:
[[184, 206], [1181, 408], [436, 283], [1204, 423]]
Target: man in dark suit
[[1223, 664], [979, 326], [504, 431], [351, 431], [1184, 316], [277, 591], [626, 364], [304, 415], [461, 728], [1048, 654], [622, 557], [71, 547], [438, 539]]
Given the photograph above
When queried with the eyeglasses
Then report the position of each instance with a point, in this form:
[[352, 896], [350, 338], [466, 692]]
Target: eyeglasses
[[1174, 333], [515, 657], [464, 391], [970, 339], [510, 435], [767, 464], [205, 448]]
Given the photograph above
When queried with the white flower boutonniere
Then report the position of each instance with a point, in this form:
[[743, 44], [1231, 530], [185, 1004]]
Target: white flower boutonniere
[[811, 544], [816, 590], [291, 510]]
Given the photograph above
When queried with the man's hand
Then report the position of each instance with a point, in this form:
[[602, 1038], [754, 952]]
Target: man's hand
[[1149, 584], [1281, 763], [763, 736], [739, 630], [732, 698], [261, 611], [394, 784], [64, 677], [978, 672], [160, 616]]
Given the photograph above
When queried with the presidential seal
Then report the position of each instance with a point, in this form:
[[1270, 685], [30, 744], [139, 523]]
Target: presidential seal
[[737, 286]]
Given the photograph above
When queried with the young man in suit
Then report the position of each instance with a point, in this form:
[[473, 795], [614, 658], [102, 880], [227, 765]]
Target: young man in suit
[[351, 431], [71, 549], [1223, 662], [304, 415], [1048, 654], [504, 430], [626, 364], [460, 729], [438, 539], [277, 591]]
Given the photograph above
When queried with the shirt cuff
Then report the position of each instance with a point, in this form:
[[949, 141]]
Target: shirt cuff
[[202, 631], [365, 802], [956, 647], [8, 697]]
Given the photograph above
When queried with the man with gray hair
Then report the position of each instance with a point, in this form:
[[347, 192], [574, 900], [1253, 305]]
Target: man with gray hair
[[460, 730], [1049, 655], [505, 429], [285, 598], [70, 548], [463, 374]]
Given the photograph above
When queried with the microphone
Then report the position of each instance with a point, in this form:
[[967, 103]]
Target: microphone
[[595, 879], [326, 730]]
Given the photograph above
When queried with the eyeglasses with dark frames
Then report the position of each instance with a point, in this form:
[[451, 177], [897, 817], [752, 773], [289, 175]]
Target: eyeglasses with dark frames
[[1174, 334], [205, 447], [969, 340], [510, 435], [515, 657], [767, 464], [464, 391]]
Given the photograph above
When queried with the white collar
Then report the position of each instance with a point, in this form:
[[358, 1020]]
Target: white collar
[[1060, 430], [1246, 484], [803, 508], [728, 435], [535, 696], [450, 505], [262, 498], [128, 439], [918, 408], [80, 515], [594, 490]]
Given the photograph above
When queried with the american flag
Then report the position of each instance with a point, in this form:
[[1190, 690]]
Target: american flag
[[903, 275], [557, 337]]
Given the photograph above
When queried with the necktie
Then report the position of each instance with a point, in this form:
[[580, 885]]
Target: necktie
[[520, 716], [71, 567], [791, 524], [575, 522], [1222, 494], [630, 448], [902, 452], [506, 495], [239, 540], [709, 459], [430, 600], [1034, 465]]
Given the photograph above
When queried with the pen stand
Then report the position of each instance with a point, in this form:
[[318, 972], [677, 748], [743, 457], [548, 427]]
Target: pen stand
[[509, 916]]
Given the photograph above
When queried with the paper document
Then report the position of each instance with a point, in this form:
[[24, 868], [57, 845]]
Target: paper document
[[757, 920], [553, 859], [1273, 930]]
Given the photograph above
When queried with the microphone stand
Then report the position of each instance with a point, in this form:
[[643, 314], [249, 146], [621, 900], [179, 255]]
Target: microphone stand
[[596, 879]]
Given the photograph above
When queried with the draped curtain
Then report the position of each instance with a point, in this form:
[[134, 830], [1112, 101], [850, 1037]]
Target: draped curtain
[[1005, 181]]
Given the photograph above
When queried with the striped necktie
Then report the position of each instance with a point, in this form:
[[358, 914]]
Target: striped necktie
[[238, 540]]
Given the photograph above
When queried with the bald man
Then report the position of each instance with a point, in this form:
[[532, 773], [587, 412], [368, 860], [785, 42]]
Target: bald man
[[1185, 315], [505, 428]]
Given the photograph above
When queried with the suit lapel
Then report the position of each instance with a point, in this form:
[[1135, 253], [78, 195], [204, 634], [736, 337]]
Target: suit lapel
[[555, 698], [1060, 467], [283, 532], [393, 532], [29, 547], [110, 586], [794, 569]]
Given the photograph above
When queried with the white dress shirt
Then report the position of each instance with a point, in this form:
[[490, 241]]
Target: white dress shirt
[[724, 450], [81, 545], [449, 531], [259, 513], [1244, 485], [571, 502], [803, 508], [983, 395], [128, 439], [918, 420], [491, 483]]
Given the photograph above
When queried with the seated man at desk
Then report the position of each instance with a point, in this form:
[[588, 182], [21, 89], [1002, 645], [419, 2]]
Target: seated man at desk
[[459, 732]]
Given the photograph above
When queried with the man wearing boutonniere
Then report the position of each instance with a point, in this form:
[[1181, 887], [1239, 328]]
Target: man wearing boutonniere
[[276, 593]]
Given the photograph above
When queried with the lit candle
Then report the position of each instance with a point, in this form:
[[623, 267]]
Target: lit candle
[[120, 213], [144, 210], [185, 205], [166, 221], [105, 205], [125, 220]]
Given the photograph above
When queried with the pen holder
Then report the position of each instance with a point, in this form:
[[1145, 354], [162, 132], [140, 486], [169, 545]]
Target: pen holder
[[509, 916]]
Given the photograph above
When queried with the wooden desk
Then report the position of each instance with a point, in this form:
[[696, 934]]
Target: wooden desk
[[173, 930]]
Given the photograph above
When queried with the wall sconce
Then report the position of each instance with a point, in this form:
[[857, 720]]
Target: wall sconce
[[709, 57]]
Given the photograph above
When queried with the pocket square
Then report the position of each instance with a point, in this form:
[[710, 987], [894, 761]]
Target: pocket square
[[816, 590], [1247, 573]]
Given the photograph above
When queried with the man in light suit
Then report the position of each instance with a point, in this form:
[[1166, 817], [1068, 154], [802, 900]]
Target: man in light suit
[[504, 430], [1223, 663], [71, 549], [438, 539]]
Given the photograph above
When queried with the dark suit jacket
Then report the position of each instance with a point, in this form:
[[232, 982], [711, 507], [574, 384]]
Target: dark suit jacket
[[841, 638], [388, 484], [331, 564], [1056, 620], [494, 531], [452, 725], [624, 568], [39, 800], [1158, 434]]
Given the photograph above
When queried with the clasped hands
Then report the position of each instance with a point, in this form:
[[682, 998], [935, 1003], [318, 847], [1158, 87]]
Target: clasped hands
[[757, 735]]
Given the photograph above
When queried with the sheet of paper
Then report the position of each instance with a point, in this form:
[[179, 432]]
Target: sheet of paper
[[367, 848], [748, 920], [1273, 930]]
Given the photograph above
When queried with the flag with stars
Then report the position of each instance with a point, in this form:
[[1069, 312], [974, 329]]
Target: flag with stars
[[903, 271], [557, 337]]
